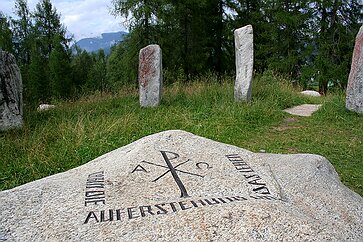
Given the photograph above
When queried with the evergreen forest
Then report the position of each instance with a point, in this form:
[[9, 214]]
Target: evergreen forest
[[309, 42]]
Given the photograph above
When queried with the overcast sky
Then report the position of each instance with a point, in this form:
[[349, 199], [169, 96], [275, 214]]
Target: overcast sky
[[83, 18]]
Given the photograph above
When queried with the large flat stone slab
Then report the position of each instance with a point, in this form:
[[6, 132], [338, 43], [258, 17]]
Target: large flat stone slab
[[305, 110], [176, 186]]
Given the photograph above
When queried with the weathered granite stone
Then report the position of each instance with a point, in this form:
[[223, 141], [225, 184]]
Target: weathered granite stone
[[176, 186], [311, 93], [354, 100], [11, 93], [243, 39], [150, 76]]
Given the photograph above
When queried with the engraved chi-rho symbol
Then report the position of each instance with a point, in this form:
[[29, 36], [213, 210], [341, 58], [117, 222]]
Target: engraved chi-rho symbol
[[174, 170]]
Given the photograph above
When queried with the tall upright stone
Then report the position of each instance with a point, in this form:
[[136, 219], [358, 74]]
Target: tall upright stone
[[243, 38], [354, 101], [150, 76], [11, 93]]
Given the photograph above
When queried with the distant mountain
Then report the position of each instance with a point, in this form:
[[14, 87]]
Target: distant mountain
[[105, 42]]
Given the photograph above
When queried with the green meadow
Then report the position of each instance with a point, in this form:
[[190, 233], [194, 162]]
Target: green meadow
[[76, 132]]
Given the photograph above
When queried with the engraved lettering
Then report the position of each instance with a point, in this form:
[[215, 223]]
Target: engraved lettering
[[162, 210], [239, 163], [239, 198], [200, 165], [262, 190], [142, 210], [159, 209], [131, 212], [212, 203], [183, 206], [90, 216], [95, 186], [254, 182], [233, 156], [200, 201], [95, 194], [264, 197], [118, 214], [139, 168], [252, 178], [173, 206], [229, 199], [248, 177], [110, 216], [95, 202]]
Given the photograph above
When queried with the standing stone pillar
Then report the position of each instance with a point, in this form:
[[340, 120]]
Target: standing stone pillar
[[243, 39], [150, 76], [11, 93], [354, 101]]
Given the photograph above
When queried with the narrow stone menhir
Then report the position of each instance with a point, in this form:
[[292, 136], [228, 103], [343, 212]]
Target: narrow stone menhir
[[150, 76], [11, 93], [243, 38], [354, 101]]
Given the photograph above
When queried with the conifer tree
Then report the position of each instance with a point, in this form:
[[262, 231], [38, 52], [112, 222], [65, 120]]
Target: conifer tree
[[335, 26], [51, 47], [59, 70], [81, 65], [97, 74], [5, 34], [47, 25], [304, 39], [143, 20], [23, 33], [141, 16], [289, 33], [119, 70], [38, 88], [253, 12]]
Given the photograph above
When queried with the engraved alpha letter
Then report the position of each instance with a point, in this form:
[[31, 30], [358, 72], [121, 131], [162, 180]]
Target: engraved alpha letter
[[139, 168]]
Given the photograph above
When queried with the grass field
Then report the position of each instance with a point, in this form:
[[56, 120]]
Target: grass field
[[77, 132]]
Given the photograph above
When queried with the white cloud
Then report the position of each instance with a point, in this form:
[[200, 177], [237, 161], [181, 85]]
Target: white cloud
[[6, 7], [83, 18]]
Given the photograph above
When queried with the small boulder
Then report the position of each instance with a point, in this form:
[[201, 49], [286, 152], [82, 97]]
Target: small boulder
[[311, 93], [45, 107]]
